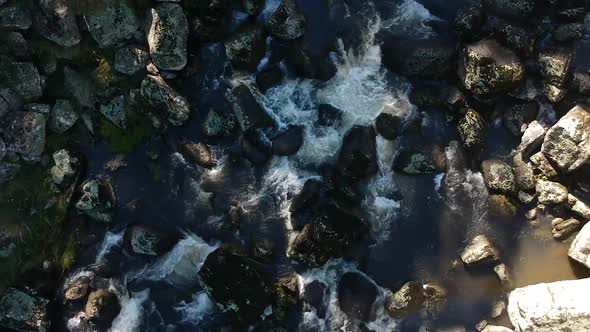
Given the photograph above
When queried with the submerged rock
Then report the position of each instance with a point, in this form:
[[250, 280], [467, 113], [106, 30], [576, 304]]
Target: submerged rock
[[246, 48], [287, 22], [166, 101], [478, 251], [563, 229], [130, 59], [200, 154], [54, 20], [473, 131], [167, 36], [580, 247], [408, 300], [358, 155], [429, 59], [498, 176], [356, 295], [146, 240], [101, 309], [114, 23], [25, 133], [247, 110], [288, 142], [23, 312], [328, 115], [551, 192], [98, 200], [388, 125]]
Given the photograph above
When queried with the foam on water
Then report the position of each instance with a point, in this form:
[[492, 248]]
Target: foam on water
[[194, 311], [132, 312], [410, 19], [110, 241]]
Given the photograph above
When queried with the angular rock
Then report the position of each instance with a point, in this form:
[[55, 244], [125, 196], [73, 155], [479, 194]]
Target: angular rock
[[358, 155], [25, 133], [131, 59], [578, 207], [356, 295], [256, 146], [145, 240], [514, 9], [408, 300], [288, 142], [524, 175], [532, 139], [488, 69], [568, 32], [101, 308], [563, 229], [23, 312], [554, 65], [23, 78], [246, 47], [469, 22], [63, 116], [388, 125], [498, 176], [199, 154], [112, 24], [543, 165], [15, 15], [473, 131], [54, 20], [116, 112], [428, 59], [166, 101], [219, 124], [328, 115], [98, 200], [551, 192], [518, 38], [502, 272], [269, 77], [518, 116], [287, 22], [551, 307], [502, 206], [286, 295], [168, 36], [479, 251], [247, 110], [9, 101], [38, 108], [65, 166], [309, 63], [414, 161]]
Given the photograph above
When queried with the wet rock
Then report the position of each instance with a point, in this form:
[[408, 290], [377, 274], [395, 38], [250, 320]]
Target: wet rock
[[514, 9], [479, 251], [310, 64], [255, 146], [551, 192], [252, 7], [550, 307], [520, 39], [571, 14], [308, 196], [8, 171], [413, 162], [9, 101], [578, 207], [542, 164], [264, 250], [568, 32], [77, 288], [358, 155], [23, 78], [502, 206], [98, 200], [488, 69], [219, 124], [63, 116], [494, 328], [246, 47], [269, 77], [563, 229], [167, 36], [288, 142], [523, 174], [247, 110], [469, 22], [66, 166], [200, 154], [581, 83], [328, 115], [101, 309], [473, 131], [532, 139], [146, 240], [23, 312], [388, 126], [170, 104], [498, 176], [428, 59], [287, 22], [112, 24], [356, 295], [518, 116], [286, 291], [408, 300], [130, 59], [15, 15], [580, 247], [502, 273], [554, 66], [54, 20], [25, 133], [237, 284], [567, 143]]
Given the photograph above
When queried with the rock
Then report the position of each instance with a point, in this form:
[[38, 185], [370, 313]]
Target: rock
[[468, 23], [2, 149], [551, 192], [63, 116], [23, 312], [502, 272], [436, 297], [328, 115], [473, 131], [567, 143], [219, 124], [554, 65], [518, 116], [356, 295], [287, 22], [488, 69], [563, 229], [494, 328], [568, 32], [170, 104], [255, 146], [116, 112], [388, 125], [309, 63], [8, 171], [15, 15], [15, 45], [237, 284], [430, 95], [550, 307], [65, 166], [580, 247], [287, 296], [146, 240], [252, 7], [413, 162], [358, 155], [518, 38], [514, 9], [308, 196], [578, 207], [247, 110], [502, 206], [269, 78], [408, 300], [264, 250], [112, 24], [246, 47], [498, 309], [25, 133], [288, 142], [98, 200], [525, 197], [479, 251], [77, 288], [199, 154], [532, 139], [571, 14], [130, 59], [54, 20], [167, 36], [23, 78], [581, 83], [9, 101], [428, 59], [541, 163], [101, 308], [43, 109], [498, 176], [80, 88], [524, 175]]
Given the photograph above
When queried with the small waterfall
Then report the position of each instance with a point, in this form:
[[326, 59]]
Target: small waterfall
[[194, 311], [110, 241], [132, 312]]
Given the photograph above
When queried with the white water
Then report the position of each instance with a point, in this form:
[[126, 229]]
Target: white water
[[194, 311], [409, 19], [132, 312], [110, 241]]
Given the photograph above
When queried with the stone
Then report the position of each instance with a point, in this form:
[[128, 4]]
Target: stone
[[563, 229], [25, 133], [200, 154], [581, 83], [426, 59], [571, 14], [518, 38], [131, 59], [498, 309], [554, 65], [247, 110], [356, 295], [388, 125], [66, 166], [580, 247], [568, 32], [15, 15], [2, 149], [269, 78], [567, 143], [494, 328], [15, 45], [98, 200], [502, 206], [514, 9], [358, 155], [23, 78], [256, 146], [478, 251], [498, 176], [525, 197], [252, 7], [63, 116], [168, 36], [219, 124], [23, 312], [524, 175], [38, 108], [541, 163], [289, 141], [488, 69], [101, 308], [8, 171], [468, 23], [80, 88], [550, 307], [169, 104], [146, 240], [578, 207], [328, 115], [407, 300], [473, 131], [286, 293], [9, 101], [246, 48], [116, 112], [518, 116], [112, 24], [551, 192], [502, 272], [532, 139], [77, 288], [309, 63], [287, 22], [54, 20], [413, 162]]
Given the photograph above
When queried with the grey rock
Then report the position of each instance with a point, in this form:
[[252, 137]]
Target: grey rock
[[25, 133], [2, 149], [525, 197], [15, 15], [514, 9], [428, 59], [80, 88], [247, 110], [551, 192], [563, 229], [495, 328], [246, 47], [9, 101], [23, 78], [581, 83], [131, 59], [542, 164], [479, 250], [98, 200], [171, 106], [167, 36], [14, 44], [112, 24], [580, 247], [532, 139], [44, 109], [568, 32], [524, 175], [145, 240], [578, 207], [63, 116], [65, 166], [502, 272], [516, 37], [554, 66], [287, 22], [498, 176], [8, 171], [408, 300], [23, 312], [219, 124], [473, 131], [116, 112], [518, 116], [55, 21]]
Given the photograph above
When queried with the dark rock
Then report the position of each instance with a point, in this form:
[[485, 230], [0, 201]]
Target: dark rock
[[329, 115], [25, 133], [23, 78], [581, 83], [428, 59], [571, 14], [519, 115], [286, 295], [310, 64], [237, 284], [63, 116], [388, 126], [247, 110], [113, 23], [255, 146], [15, 15], [356, 295], [513, 9], [101, 309], [469, 22], [473, 131], [406, 301], [131, 59], [169, 104], [263, 250], [200, 154], [116, 111], [22, 312], [168, 36], [429, 95], [219, 123], [358, 155], [269, 77], [520, 39], [146, 240], [523, 174], [414, 161], [287, 22], [308, 196], [246, 47], [288, 142], [54, 20], [554, 67], [98, 200], [501, 206], [252, 7], [206, 31], [498, 176], [313, 294], [8, 171], [568, 32], [214, 10], [15, 45]]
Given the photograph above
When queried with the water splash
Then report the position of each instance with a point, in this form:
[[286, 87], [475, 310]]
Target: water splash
[[409, 19], [110, 241], [132, 312], [194, 311]]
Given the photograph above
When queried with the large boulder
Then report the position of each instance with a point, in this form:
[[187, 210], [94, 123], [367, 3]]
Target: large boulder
[[15, 15], [551, 192], [101, 309], [554, 66], [130, 59], [23, 78], [567, 143], [388, 125], [98, 200], [237, 284], [288, 142], [358, 155], [287, 22], [54, 20], [168, 36], [169, 104], [22, 312], [356, 295], [473, 131], [246, 48], [407, 300], [580, 247], [25, 133], [498, 176], [112, 24], [488, 69], [429, 59], [247, 110], [551, 307]]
